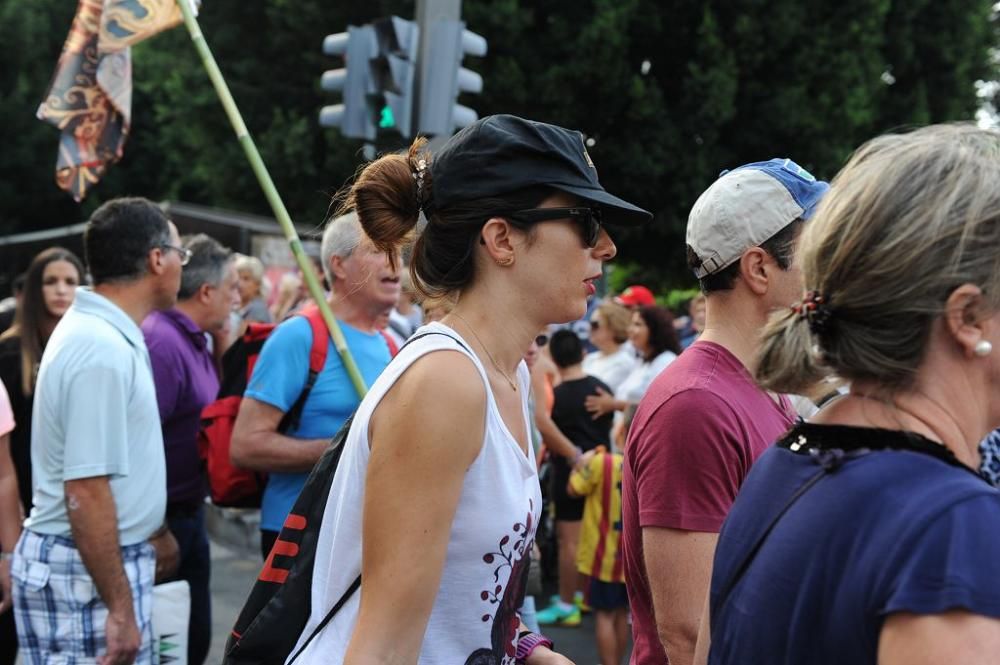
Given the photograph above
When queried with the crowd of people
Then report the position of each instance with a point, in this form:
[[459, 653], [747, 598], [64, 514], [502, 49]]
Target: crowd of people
[[660, 459]]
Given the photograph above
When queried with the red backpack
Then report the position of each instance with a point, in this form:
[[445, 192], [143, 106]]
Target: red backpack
[[229, 485]]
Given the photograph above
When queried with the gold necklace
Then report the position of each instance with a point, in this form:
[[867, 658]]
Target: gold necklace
[[513, 386]]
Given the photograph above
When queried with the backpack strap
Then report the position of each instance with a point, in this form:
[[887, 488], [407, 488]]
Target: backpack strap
[[356, 584], [317, 359]]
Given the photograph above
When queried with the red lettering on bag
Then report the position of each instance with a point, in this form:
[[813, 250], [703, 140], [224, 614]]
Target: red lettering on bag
[[282, 548]]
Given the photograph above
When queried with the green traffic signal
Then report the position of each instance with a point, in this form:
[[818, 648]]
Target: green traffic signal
[[386, 119]]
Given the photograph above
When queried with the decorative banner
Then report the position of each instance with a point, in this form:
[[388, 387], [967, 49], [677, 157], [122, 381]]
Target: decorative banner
[[125, 22], [90, 98]]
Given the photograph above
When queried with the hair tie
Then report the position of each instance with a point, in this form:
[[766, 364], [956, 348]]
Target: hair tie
[[816, 311], [418, 177]]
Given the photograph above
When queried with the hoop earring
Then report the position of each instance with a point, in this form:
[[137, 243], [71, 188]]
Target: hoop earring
[[983, 348]]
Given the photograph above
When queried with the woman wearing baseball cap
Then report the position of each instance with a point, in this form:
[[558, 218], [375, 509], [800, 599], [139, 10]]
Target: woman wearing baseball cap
[[436, 499]]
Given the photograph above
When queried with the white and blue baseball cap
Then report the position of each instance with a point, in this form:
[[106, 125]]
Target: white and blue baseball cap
[[745, 207]]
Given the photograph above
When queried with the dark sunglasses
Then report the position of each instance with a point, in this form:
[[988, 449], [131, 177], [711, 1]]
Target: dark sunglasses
[[589, 219]]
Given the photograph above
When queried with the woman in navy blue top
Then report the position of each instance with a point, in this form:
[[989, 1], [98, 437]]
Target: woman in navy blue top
[[865, 535]]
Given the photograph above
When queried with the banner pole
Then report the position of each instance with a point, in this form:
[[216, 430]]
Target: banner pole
[[271, 192]]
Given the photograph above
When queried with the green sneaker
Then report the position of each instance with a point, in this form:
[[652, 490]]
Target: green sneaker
[[554, 615]]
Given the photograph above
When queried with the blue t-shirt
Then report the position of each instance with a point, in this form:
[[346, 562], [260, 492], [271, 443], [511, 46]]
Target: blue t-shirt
[[890, 531], [278, 379]]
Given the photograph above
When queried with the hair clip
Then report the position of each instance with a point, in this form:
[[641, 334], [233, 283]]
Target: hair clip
[[816, 310]]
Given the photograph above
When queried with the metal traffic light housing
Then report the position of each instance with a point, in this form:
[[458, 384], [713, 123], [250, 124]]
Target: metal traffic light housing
[[353, 116]]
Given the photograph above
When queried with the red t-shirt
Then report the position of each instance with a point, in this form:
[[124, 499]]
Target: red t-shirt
[[700, 426]]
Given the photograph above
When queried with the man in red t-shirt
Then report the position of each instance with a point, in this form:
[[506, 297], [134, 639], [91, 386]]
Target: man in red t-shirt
[[704, 421]]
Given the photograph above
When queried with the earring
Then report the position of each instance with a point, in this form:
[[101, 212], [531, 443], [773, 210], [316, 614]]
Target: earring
[[505, 262], [983, 348]]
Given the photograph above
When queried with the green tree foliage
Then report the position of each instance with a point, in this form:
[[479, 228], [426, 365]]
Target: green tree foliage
[[668, 93]]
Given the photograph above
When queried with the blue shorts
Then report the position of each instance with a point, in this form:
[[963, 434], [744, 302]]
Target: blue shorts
[[606, 596]]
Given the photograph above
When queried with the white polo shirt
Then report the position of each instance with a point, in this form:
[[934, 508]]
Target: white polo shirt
[[95, 414]]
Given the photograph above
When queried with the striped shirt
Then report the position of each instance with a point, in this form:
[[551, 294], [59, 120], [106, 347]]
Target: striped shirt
[[599, 552]]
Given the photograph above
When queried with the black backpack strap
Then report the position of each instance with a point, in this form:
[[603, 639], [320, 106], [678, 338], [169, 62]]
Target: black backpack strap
[[329, 615], [357, 582], [434, 332], [292, 417]]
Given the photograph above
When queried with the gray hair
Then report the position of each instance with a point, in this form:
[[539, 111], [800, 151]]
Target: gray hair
[[340, 238], [208, 264], [910, 218], [250, 265]]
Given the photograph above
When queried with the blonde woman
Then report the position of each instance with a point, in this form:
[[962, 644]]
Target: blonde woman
[[253, 290], [865, 535], [613, 360]]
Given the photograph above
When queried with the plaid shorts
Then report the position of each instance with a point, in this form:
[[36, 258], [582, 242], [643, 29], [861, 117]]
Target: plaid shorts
[[60, 616]]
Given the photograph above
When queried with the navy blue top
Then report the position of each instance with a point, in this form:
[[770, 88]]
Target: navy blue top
[[889, 531]]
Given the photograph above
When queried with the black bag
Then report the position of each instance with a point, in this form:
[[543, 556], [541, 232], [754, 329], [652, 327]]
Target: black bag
[[280, 602], [279, 605]]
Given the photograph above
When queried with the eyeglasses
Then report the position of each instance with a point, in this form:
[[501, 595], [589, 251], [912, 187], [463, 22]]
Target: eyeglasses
[[185, 254], [589, 219], [542, 340]]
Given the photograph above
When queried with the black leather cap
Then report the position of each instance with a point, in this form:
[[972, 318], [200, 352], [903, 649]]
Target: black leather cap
[[500, 154]]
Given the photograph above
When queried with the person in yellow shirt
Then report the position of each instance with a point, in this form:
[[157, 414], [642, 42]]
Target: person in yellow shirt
[[598, 479]]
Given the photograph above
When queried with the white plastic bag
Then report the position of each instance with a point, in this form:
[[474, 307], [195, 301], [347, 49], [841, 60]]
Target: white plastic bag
[[171, 613]]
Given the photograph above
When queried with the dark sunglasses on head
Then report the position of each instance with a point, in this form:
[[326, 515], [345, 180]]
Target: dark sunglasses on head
[[542, 340], [589, 219]]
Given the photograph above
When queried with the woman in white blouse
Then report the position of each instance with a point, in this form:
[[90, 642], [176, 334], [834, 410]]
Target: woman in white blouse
[[655, 341], [613, 360]]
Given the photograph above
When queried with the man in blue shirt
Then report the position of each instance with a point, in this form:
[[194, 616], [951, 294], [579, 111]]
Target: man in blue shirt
[[364, 287]]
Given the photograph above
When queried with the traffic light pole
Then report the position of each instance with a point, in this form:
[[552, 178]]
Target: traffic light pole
[[428, 12], [271, 193]]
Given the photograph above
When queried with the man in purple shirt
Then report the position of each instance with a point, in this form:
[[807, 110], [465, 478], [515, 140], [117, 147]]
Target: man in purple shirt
[[186, 380]]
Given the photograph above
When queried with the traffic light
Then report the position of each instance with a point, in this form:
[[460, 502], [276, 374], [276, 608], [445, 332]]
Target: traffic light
[[353, 116], [442, 78], [393, 70]]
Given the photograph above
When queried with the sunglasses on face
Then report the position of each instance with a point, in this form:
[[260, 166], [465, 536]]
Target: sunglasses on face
[[588, 219]]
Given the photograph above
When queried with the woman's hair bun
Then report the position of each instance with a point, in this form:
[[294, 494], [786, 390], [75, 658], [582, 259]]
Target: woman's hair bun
[[389, 194]]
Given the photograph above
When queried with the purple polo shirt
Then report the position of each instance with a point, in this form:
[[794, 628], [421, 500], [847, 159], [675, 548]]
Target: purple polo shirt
[[186, 380]]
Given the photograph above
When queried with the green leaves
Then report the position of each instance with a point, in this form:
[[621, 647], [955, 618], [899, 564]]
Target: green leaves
[[668, 93]]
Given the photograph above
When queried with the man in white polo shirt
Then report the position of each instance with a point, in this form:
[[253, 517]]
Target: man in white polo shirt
[[84, 567]]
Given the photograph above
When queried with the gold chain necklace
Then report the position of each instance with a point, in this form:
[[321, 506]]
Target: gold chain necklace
[[513, 386]]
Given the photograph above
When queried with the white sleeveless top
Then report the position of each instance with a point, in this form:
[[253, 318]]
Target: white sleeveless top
[[474, 618]]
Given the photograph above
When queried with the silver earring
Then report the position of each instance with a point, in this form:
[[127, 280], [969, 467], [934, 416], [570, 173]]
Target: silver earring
[[983, 348]]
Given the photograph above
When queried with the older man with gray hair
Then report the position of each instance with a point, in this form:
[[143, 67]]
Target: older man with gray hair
[[184, 373], [364, 287]]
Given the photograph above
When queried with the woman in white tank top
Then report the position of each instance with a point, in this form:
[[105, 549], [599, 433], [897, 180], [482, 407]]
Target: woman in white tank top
[[436, 499]]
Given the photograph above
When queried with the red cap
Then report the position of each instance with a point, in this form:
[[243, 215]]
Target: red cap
[[636, 296]]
